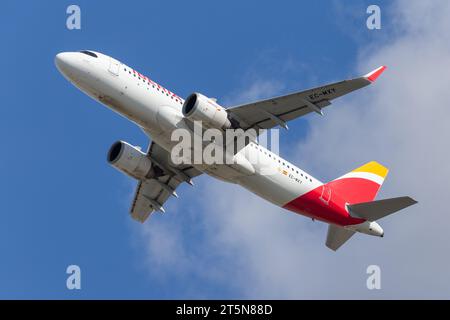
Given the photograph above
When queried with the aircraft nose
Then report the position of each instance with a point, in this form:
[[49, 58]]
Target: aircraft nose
[[65, 62], [61, 60]]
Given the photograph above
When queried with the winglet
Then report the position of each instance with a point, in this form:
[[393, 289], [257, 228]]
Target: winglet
[[372, 76]]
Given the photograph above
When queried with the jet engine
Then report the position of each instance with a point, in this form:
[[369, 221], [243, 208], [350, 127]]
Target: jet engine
[[130, 160], [197, 107]]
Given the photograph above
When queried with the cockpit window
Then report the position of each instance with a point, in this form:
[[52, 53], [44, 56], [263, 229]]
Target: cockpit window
[[89, 53]]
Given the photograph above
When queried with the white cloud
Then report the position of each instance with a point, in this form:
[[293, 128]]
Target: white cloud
[[261, 251], [258, 89]]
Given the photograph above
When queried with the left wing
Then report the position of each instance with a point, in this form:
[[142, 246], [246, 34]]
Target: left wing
[[269, 113], [151, 194]]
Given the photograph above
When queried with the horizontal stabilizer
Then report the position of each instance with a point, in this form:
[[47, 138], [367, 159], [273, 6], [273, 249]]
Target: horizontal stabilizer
[[375, 210], [337, 236]]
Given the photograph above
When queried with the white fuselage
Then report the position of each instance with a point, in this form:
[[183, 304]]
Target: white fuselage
[[158, 112]]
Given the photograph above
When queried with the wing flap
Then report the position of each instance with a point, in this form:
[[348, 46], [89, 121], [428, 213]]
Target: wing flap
[[150, 196], [141, 207]]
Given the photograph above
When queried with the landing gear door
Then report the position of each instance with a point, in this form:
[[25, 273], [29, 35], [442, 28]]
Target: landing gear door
[[114, 66]]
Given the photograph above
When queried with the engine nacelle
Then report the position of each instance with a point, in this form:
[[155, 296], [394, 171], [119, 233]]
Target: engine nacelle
[[197, 107], [130, 160]]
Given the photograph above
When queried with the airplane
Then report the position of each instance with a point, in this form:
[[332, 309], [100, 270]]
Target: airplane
[[347, 204]]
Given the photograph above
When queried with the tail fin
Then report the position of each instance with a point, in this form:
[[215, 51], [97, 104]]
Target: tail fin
[[361, 184], [375, 210]]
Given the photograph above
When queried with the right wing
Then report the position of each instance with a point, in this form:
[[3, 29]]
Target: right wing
[[151, 194], [337, 236], [269, 113]]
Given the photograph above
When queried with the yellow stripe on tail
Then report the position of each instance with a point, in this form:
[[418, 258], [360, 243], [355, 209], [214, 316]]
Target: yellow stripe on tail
[[373, 167], [361, 184]]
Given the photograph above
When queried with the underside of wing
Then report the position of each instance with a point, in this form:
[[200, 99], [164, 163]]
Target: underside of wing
[[276, 111], [151, 194]]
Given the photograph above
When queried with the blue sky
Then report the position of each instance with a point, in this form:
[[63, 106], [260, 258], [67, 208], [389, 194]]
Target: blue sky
[[61, 202]]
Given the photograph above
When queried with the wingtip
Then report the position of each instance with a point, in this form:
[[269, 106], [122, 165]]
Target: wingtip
[[331, 248], [373, 75]]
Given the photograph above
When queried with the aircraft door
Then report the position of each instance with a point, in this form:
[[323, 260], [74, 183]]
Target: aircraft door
[[325, 197], [114, 66]]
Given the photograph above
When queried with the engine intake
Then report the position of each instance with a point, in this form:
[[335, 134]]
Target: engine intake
[[198, 107], [130, 160]]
